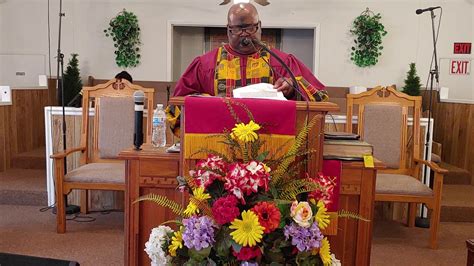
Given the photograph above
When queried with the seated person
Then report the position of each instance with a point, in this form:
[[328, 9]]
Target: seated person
[[124, 75]]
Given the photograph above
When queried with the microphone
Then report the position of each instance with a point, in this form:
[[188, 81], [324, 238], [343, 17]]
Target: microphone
[[139, 99], [245, 41], [419, 11]]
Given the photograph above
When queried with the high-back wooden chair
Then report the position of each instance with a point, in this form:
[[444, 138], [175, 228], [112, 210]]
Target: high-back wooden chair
[[383, 122], [103, 136]]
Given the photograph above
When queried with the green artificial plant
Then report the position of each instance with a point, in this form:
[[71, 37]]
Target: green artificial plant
[[368, 32], [412, 83], [72, 81], [125, 32]]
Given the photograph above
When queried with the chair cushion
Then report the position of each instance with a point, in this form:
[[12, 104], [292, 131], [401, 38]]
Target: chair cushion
[[401, 184], [113, 173], [382, 129], [116, 125]]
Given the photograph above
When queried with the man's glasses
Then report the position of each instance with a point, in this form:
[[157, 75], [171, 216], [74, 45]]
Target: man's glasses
[[237, 30]]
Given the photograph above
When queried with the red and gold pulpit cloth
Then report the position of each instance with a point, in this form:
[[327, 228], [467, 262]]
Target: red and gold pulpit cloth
[[206, 118], [330, 180]]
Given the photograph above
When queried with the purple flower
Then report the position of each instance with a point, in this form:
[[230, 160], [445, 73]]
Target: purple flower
[[305, 239], [198, 232]]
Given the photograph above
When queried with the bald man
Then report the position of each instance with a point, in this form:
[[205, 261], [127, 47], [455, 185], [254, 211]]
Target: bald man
[[240, 63]]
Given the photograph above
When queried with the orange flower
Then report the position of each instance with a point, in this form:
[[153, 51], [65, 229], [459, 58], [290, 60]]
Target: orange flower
[[268, 216]]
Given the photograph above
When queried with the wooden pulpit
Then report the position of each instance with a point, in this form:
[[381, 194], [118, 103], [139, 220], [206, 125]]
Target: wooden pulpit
[[152, 170]]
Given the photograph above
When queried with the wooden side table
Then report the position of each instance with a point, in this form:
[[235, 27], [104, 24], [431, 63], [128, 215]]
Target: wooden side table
[[150, 170]]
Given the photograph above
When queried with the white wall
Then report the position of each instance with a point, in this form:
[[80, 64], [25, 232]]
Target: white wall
[[23, 29]]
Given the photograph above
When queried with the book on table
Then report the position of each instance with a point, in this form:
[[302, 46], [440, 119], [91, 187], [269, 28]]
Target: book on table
[[346, 149]]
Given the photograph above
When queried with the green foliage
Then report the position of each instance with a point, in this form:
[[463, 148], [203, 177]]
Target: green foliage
[[163, 201], [125, 32], [368, 32], [351, 215], [412, 83], [292, 152], [72, 79], [296, 187]]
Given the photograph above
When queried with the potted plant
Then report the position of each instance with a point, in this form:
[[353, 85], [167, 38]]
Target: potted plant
[[368, 32], [125, 32], [72, 83], [412, 83]]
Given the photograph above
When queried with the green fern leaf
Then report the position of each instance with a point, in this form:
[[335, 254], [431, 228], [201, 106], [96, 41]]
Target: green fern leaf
[[163, 201], [300, 139], [351, 215]]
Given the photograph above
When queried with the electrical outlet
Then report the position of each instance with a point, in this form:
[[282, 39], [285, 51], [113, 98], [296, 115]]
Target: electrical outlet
[[5, 94], [43, 80]]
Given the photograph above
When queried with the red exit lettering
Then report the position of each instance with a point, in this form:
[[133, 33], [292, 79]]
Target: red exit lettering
[[460, 67], [462, 48]]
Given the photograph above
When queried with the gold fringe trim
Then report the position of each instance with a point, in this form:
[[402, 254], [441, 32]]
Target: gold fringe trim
[[205, 142]]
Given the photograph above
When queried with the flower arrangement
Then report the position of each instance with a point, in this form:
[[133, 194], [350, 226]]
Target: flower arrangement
[[248, 208]]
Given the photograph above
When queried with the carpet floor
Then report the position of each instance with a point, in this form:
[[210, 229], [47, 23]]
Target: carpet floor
[[27, 231]]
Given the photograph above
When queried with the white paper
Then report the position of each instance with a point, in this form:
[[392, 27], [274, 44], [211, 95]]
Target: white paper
[[260, 91]]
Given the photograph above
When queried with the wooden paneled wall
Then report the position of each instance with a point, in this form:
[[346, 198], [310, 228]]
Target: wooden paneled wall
[[454, 129], [22, 123]]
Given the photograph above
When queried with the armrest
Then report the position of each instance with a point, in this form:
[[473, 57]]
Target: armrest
[[63, 154], [432, 165]]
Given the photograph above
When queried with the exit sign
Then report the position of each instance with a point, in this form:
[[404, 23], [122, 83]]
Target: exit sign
[[460, 67], [462, 48]]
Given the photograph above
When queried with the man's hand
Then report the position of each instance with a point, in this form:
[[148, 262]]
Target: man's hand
[[284, 85]]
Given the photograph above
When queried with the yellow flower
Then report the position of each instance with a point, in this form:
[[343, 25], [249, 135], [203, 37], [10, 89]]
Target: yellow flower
[[198, 193], [267, 169], [248, 231], [176, 242], [322, 216], [191, 209], [325, 252], [245, 132]]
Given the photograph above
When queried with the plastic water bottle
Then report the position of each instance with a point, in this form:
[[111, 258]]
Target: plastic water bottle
[[158, 138]]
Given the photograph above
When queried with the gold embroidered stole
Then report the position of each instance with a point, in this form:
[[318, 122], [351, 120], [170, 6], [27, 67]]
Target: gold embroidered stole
[[228, 73]]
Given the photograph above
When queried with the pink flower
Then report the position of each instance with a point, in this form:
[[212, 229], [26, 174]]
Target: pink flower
[[326, 192], [247, 253], [209, 170], [243, 179], [225, 209]]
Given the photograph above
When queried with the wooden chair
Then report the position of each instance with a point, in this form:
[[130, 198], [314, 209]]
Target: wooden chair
[[383, 122], [102, 138]]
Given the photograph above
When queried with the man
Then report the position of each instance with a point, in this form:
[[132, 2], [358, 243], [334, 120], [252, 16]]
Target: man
[[241, 62]]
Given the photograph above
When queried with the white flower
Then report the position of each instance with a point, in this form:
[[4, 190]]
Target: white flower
[[154, 246], [302, 213], [253, 167], [334, 261]]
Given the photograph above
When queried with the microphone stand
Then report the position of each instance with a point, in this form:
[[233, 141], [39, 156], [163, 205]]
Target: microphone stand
[[292, 76], [70, 209], [423, 221]]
